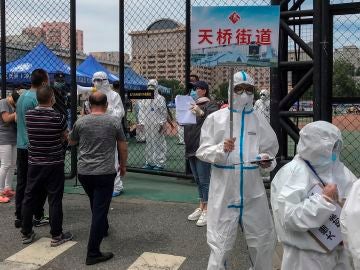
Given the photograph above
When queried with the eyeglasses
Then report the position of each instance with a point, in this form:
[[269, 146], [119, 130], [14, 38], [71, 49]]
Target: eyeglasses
[[241, 88]]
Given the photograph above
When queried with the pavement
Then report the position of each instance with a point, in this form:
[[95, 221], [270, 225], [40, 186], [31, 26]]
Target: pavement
[[144, 234]]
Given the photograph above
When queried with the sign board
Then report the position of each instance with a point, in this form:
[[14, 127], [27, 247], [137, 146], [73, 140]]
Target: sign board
[[140, 94], [235, 35], [328, 235]]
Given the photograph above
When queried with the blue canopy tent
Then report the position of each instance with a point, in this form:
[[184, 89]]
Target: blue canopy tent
[[19, 71], [133, 81], [91, 65]]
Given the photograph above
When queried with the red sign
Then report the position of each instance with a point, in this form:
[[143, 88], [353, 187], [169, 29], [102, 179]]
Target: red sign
[[242, 36]]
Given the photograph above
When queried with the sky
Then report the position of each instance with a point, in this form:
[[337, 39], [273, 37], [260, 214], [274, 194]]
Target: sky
[[100, 22]]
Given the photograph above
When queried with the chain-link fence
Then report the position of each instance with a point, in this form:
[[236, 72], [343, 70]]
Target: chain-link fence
[[155, 39], [38, 36], [346, 85]]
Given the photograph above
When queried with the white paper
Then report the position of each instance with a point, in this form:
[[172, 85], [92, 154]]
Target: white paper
[[328, 234], [184, 116]]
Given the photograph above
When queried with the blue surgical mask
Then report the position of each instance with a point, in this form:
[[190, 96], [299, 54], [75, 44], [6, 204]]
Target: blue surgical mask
[[194, 94]]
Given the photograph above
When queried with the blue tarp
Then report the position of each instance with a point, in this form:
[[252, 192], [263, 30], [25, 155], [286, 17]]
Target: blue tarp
[[132, 81], [19, 71], [91, 65]]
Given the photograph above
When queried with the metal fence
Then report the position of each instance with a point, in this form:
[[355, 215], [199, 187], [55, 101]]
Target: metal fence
[[35, 34], [155, 40], [154, 36]]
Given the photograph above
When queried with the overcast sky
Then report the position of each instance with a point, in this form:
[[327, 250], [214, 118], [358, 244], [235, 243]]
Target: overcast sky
[[100, 22]]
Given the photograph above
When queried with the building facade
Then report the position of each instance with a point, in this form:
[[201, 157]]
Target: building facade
[[159, 51], [55, 35]]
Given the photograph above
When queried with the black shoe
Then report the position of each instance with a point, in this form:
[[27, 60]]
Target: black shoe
[[98, 259], [17, 223], [61, 239], [28, 238], [41, 222]]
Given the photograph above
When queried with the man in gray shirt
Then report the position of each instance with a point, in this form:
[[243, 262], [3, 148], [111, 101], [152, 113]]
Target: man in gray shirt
[[98, 134]]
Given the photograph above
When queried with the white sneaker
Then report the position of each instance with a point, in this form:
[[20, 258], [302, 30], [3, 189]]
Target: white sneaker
[[195, 215], [202, 221]]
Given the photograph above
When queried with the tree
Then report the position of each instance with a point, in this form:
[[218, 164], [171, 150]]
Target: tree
[[176, 87], [221, 93], [344, 84]]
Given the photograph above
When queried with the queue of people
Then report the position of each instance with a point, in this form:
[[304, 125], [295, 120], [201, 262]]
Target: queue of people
[[226, 158]]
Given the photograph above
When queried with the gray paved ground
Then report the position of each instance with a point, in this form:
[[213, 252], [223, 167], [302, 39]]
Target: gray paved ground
[[136, 226]]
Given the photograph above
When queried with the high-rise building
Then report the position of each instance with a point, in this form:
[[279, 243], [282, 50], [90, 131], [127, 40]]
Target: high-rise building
[[159, 51], [55, 35]]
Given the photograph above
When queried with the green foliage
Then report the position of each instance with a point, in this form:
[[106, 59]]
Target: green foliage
[[176, 87], [344, 84], [221, 93]]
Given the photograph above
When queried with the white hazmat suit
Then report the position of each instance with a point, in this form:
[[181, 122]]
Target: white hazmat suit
[[153, 117], [115, 108], [296, 212], [350, 219], [262, 105], [237, 194]]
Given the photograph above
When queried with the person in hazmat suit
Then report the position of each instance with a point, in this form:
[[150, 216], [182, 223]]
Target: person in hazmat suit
[[115, 108], [350, 218], [263, 104], [152, 119], [237, 194], [297, 210]]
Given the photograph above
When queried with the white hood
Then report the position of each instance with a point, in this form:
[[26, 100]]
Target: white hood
[[243, 101], [317, 141]]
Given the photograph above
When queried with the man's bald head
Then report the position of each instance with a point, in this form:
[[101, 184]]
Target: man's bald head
[[98, 99], [44, 95]]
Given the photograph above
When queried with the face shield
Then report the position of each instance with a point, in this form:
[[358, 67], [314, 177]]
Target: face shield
[[320, 143]]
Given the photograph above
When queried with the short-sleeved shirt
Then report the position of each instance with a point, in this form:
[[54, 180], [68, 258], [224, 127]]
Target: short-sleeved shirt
[[45, 128], [7, 130], [27, 101], [97, 136]]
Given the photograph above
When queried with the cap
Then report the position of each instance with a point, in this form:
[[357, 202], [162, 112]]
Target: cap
[[201, 84]]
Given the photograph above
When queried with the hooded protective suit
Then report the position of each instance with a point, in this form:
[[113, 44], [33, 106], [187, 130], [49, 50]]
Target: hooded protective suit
[[237, 193], [153, 117], [262, 105], [350, 217], [115, 108], [295, 212]]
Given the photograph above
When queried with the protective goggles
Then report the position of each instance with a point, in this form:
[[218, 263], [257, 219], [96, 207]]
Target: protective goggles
[[99, 80], [262, 95], [241, 88]]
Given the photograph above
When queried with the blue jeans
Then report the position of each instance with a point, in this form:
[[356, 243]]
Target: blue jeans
[[201, 172]]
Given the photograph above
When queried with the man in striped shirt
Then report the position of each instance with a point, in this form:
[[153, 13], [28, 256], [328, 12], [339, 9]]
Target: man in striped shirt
[[46, 130]]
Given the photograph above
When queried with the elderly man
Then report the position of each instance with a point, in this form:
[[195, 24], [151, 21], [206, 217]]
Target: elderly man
[[297, 210], [46, 130], [96, 167], [115, 108]]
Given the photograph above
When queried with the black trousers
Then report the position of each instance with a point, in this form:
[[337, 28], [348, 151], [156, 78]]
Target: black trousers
[[51, 178], [99, 188], [21, 181]]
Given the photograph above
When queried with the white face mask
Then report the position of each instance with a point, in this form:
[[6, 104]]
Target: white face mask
[[97, 85], [243, 101]]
